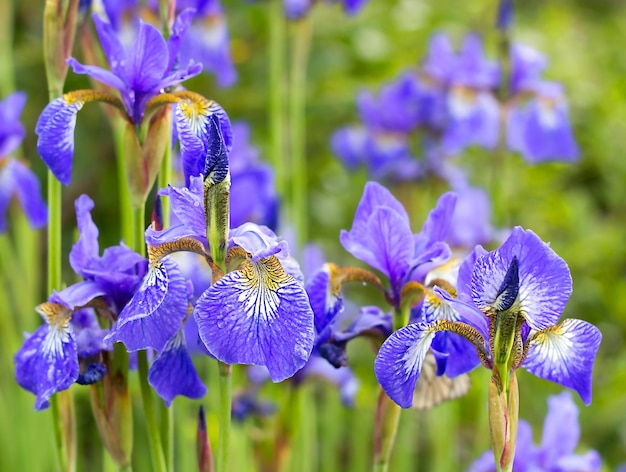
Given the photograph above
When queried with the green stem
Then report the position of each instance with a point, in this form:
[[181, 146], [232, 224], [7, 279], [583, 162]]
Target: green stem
[[226, 387], [277, 31], [297, 120], [167, 433], [126, 211], [154, 438], [7, 79], [165, 179], [385, 429]]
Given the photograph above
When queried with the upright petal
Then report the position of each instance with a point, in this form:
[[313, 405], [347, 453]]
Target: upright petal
[[257, 315], [147, 60], [544, 278], [399, 361], [172, 372], [565, 354], [156, 311], [86, 248]]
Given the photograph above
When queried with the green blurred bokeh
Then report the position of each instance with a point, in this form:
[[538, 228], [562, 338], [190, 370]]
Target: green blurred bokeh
[[579, 208]]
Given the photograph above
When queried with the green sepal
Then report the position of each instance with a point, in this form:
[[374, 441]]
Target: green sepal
[[217, 213], [503, 421]]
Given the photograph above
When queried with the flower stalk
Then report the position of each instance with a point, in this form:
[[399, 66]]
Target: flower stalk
[[503, 420]]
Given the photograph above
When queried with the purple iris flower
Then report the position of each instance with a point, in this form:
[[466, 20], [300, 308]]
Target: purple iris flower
[[561, 433], [139, 73], [523, 281], [381, 236], [259, 314], [473, 111], [387, 155], [208, 41], [539, 129], [145, 68], [118, 272], [15, 176], [47, 362]]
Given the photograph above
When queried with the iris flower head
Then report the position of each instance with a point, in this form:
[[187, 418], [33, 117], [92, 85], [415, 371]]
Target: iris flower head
[[512, 296]]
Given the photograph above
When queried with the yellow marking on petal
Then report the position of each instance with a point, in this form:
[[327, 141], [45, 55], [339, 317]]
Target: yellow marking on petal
[[55, 314], [156, 253], [78, 98]]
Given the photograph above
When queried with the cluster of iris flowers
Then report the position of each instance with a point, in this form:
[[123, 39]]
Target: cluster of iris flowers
[[245, 300]]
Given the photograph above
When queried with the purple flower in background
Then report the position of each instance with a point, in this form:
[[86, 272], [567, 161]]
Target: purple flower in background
[[523, 282], [207, 40], [16, 179], [561, 433], [295, 9], [473, 111], [539, 129], [12, 132], [471, 221], [249, 177], [386, 154]]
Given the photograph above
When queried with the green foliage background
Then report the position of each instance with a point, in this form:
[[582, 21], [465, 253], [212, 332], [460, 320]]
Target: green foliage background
[[580, 209]]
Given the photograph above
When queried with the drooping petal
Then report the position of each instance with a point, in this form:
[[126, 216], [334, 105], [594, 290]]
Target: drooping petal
[[257, 315], [565, 354], [156, 311], [47, 363], [172, 372], [544, 278], [86, 248], [55, 128], [399, 361]]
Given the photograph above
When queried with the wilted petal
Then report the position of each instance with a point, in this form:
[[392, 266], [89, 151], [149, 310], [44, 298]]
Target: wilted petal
[[55, 128], [399, 361], [565, 354], [156, 311], [172, 372], [257, 315]]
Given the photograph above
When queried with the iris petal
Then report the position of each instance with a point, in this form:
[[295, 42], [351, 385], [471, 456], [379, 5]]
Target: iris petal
[[55, 128], [47, 363], [156, 311], [565, 354], [257, 315], [399, 361], [172, 372], [544, 278]]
